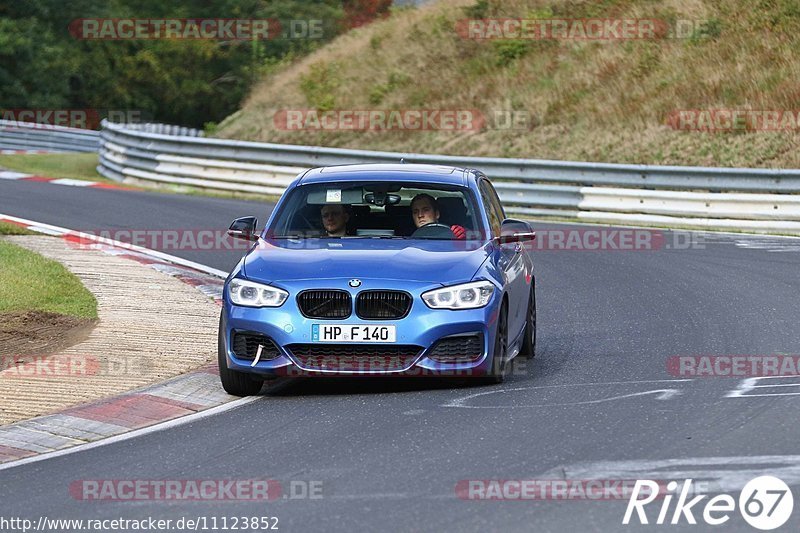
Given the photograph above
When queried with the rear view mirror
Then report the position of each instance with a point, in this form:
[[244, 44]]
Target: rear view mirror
[[513, 230], [381, 198], [244, 228]]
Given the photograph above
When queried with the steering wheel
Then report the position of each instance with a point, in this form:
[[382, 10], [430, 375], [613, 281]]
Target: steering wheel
[[307, 222], [434, 230]]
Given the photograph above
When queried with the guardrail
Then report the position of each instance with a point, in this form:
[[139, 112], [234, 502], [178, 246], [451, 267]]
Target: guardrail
[[28, 136], [714, 198]]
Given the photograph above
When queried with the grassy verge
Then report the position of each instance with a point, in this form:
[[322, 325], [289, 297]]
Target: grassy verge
[[29, 281], [6, 228], [612, 100], [170, 188], [82, 167], [75, 166]]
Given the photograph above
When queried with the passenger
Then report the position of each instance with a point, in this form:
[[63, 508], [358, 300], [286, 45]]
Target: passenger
[[334, 220], [425, 210]]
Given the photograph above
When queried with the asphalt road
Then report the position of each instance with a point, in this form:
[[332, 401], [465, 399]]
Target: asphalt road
[[597, 402]]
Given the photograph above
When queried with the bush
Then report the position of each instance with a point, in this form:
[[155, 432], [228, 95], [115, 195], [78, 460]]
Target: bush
[[319, 86], [508, 51]]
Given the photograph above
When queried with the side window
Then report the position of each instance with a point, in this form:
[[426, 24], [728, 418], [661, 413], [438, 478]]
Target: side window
[[492, 205], [496, 200]]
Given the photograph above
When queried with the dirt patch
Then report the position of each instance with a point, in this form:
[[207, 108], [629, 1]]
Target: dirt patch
[[131, 346], [28, 334]]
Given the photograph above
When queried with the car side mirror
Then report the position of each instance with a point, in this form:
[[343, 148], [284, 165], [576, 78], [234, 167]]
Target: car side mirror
[[514, 230], [244, 228]]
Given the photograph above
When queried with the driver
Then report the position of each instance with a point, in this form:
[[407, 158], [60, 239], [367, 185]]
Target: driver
[[425, 210], [334, 220]]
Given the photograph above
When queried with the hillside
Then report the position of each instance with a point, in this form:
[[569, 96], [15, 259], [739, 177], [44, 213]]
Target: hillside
[[603, 100]]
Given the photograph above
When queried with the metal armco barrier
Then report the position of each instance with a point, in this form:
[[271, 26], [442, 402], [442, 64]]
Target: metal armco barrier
[[27, 136], [761, 200]]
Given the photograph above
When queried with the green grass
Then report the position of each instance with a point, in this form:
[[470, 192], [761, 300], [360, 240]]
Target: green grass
[[75, 166], [29, 281], [82, 167], [6, 228], [587, 101], [188, 190]]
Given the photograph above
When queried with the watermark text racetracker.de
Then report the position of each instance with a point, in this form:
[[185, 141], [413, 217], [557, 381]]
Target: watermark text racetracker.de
[[606, 240], [586, 29], [194, 490], [546, 489], [52, 118], [68, 366], [398, 120], [732, 120], [733, 365], [610, 239], [158, 239], [220, 29], [379, 120]]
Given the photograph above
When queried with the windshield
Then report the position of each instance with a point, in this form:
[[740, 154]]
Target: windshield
[[377, 210]]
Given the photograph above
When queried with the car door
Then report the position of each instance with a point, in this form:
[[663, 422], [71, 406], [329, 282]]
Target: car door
[[510, 261]]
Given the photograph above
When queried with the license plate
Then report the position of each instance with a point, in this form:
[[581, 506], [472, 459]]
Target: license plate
[[352, 333]]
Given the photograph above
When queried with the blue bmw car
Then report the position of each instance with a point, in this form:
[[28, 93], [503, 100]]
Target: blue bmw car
[[379, 270]]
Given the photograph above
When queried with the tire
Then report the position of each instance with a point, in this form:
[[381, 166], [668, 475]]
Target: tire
[[497, 374], [234, 383], [528, 349]]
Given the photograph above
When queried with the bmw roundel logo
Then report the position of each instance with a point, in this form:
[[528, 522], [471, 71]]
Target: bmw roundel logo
[[355, 283]]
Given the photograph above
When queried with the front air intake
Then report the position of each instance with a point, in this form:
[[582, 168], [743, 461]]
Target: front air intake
[[244, 345]]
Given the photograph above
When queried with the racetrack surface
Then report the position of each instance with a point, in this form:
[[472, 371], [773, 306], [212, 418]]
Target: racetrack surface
[[389, 453]]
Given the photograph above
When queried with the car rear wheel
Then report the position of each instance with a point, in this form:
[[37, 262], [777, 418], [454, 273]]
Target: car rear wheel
[[235, 383], [497, 374], [529, 340]]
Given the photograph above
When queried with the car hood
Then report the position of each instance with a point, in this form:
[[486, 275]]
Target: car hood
[[412, 260]]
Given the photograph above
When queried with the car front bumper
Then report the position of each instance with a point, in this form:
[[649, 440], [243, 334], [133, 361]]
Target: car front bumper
[[419, 330]]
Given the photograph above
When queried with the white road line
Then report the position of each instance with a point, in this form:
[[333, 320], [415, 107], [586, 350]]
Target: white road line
[[11, 175], [50, 229], [57, 230], [663, 394], [727, 473], [133, 434], [769, 246], [74, 183], [749, 384]]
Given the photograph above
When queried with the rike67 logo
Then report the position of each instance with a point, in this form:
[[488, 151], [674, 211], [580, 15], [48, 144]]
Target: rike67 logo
[[765, 503]]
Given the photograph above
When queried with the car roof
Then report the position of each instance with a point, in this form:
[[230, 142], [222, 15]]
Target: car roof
[[413, 173]]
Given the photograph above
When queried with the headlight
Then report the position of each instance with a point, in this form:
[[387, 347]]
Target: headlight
[[466, 296], [250, 294]]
